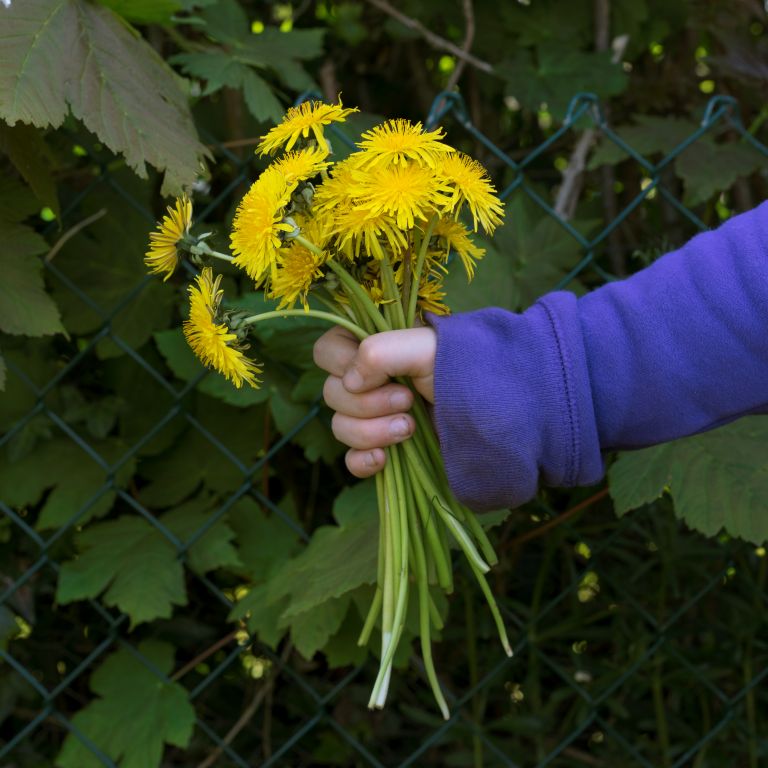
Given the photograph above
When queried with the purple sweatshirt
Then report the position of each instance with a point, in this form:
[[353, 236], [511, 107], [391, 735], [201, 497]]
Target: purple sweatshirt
[[678, 348]]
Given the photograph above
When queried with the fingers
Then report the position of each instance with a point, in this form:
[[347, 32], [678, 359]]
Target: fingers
[[383, 401], [382, 356], [365, 463], [367, 434], [335, 350]]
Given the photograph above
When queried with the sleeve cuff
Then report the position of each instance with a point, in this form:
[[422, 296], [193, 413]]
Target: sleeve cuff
[[513, 402]]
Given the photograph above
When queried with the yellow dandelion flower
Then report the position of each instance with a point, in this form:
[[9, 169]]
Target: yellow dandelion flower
[[301, 165], [258, 222], [162, 258], [333, 192], [215, 345], [298, 267], [408, 192], [310, 116], [398, 141], [456, 238], [360, 227], [471, 185], [432, 295]]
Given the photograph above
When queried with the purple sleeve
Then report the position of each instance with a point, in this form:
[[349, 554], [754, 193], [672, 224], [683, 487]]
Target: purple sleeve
[[678, 348]]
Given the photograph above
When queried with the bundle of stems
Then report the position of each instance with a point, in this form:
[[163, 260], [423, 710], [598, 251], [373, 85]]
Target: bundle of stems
[[370, 242]]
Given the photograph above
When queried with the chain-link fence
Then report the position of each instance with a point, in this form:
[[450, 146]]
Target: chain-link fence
[[636, 642]]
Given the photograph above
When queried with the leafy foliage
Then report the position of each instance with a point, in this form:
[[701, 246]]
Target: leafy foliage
[[717, 480], [150, 711], [69, 54], [212, 517]]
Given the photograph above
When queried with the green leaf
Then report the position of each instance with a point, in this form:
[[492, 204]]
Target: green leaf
[[259, 99], [648, 135], [311, 630], [57, 55], [342, 649], [25, 307], [106, 264], [27, 150], [74, 477], [263, 541], [144, 11], [733, 161], [132, 563], [310, 582], [356, 503], [718, 480], [136, 714], [215, 548], [557, 73]]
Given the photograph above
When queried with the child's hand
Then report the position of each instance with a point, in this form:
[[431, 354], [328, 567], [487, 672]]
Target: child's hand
[[371, 411]]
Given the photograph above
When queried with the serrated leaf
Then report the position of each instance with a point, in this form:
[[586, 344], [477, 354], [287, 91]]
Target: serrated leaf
[[132, 563], [17, 200], [74, 477], [718, 480], [57, 55], [105, 262], [310, 582], [144, 11], [25, 308], [29, 153], [649, 135], [259, 99], [554, 74], [311, 630], [263, 541], [356, 503], [214, 549], [733, 161], [342, 650], [136, 714]]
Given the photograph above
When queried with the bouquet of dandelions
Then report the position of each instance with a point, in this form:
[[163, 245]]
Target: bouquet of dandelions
[[369, 237]]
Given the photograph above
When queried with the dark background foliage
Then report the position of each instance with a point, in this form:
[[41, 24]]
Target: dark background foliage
[[184, 566]]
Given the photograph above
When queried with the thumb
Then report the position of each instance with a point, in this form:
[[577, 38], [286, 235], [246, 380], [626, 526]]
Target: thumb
[[409, 352]]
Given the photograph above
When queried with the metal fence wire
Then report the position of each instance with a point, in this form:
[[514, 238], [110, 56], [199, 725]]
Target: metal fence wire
[[678, 684]]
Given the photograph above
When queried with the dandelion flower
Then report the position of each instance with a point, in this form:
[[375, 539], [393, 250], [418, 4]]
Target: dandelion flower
[[258, 224], [298, 266], [359, 227], [472, 186], [301, 165], [333, 193], [213, 342], [432, 295], [299, 121], [408, 192], [456, 238], [398, 141], [162, 258]]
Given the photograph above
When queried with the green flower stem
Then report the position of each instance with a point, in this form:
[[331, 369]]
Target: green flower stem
[[441, 559], [425, 604], [454, 526], [329, 316], [349, 282], [400, 546], [370, 619], [376, 603], [416, 278], [392, 292]]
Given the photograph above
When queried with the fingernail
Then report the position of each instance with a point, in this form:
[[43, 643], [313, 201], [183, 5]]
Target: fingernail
[[399, 427], [353, 380], [370, 460], [400, 401]]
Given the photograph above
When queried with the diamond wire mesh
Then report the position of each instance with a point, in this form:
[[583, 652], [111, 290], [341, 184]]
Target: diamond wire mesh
[[694, 712]]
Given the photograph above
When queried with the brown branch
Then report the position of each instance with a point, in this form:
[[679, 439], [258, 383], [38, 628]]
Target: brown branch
[[249, 711], [220, 643], [469, 37], [434, 40], [555, 521], [71, 232]]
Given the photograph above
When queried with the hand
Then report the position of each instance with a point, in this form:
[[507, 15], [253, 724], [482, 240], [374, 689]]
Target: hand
[[372, 411]]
